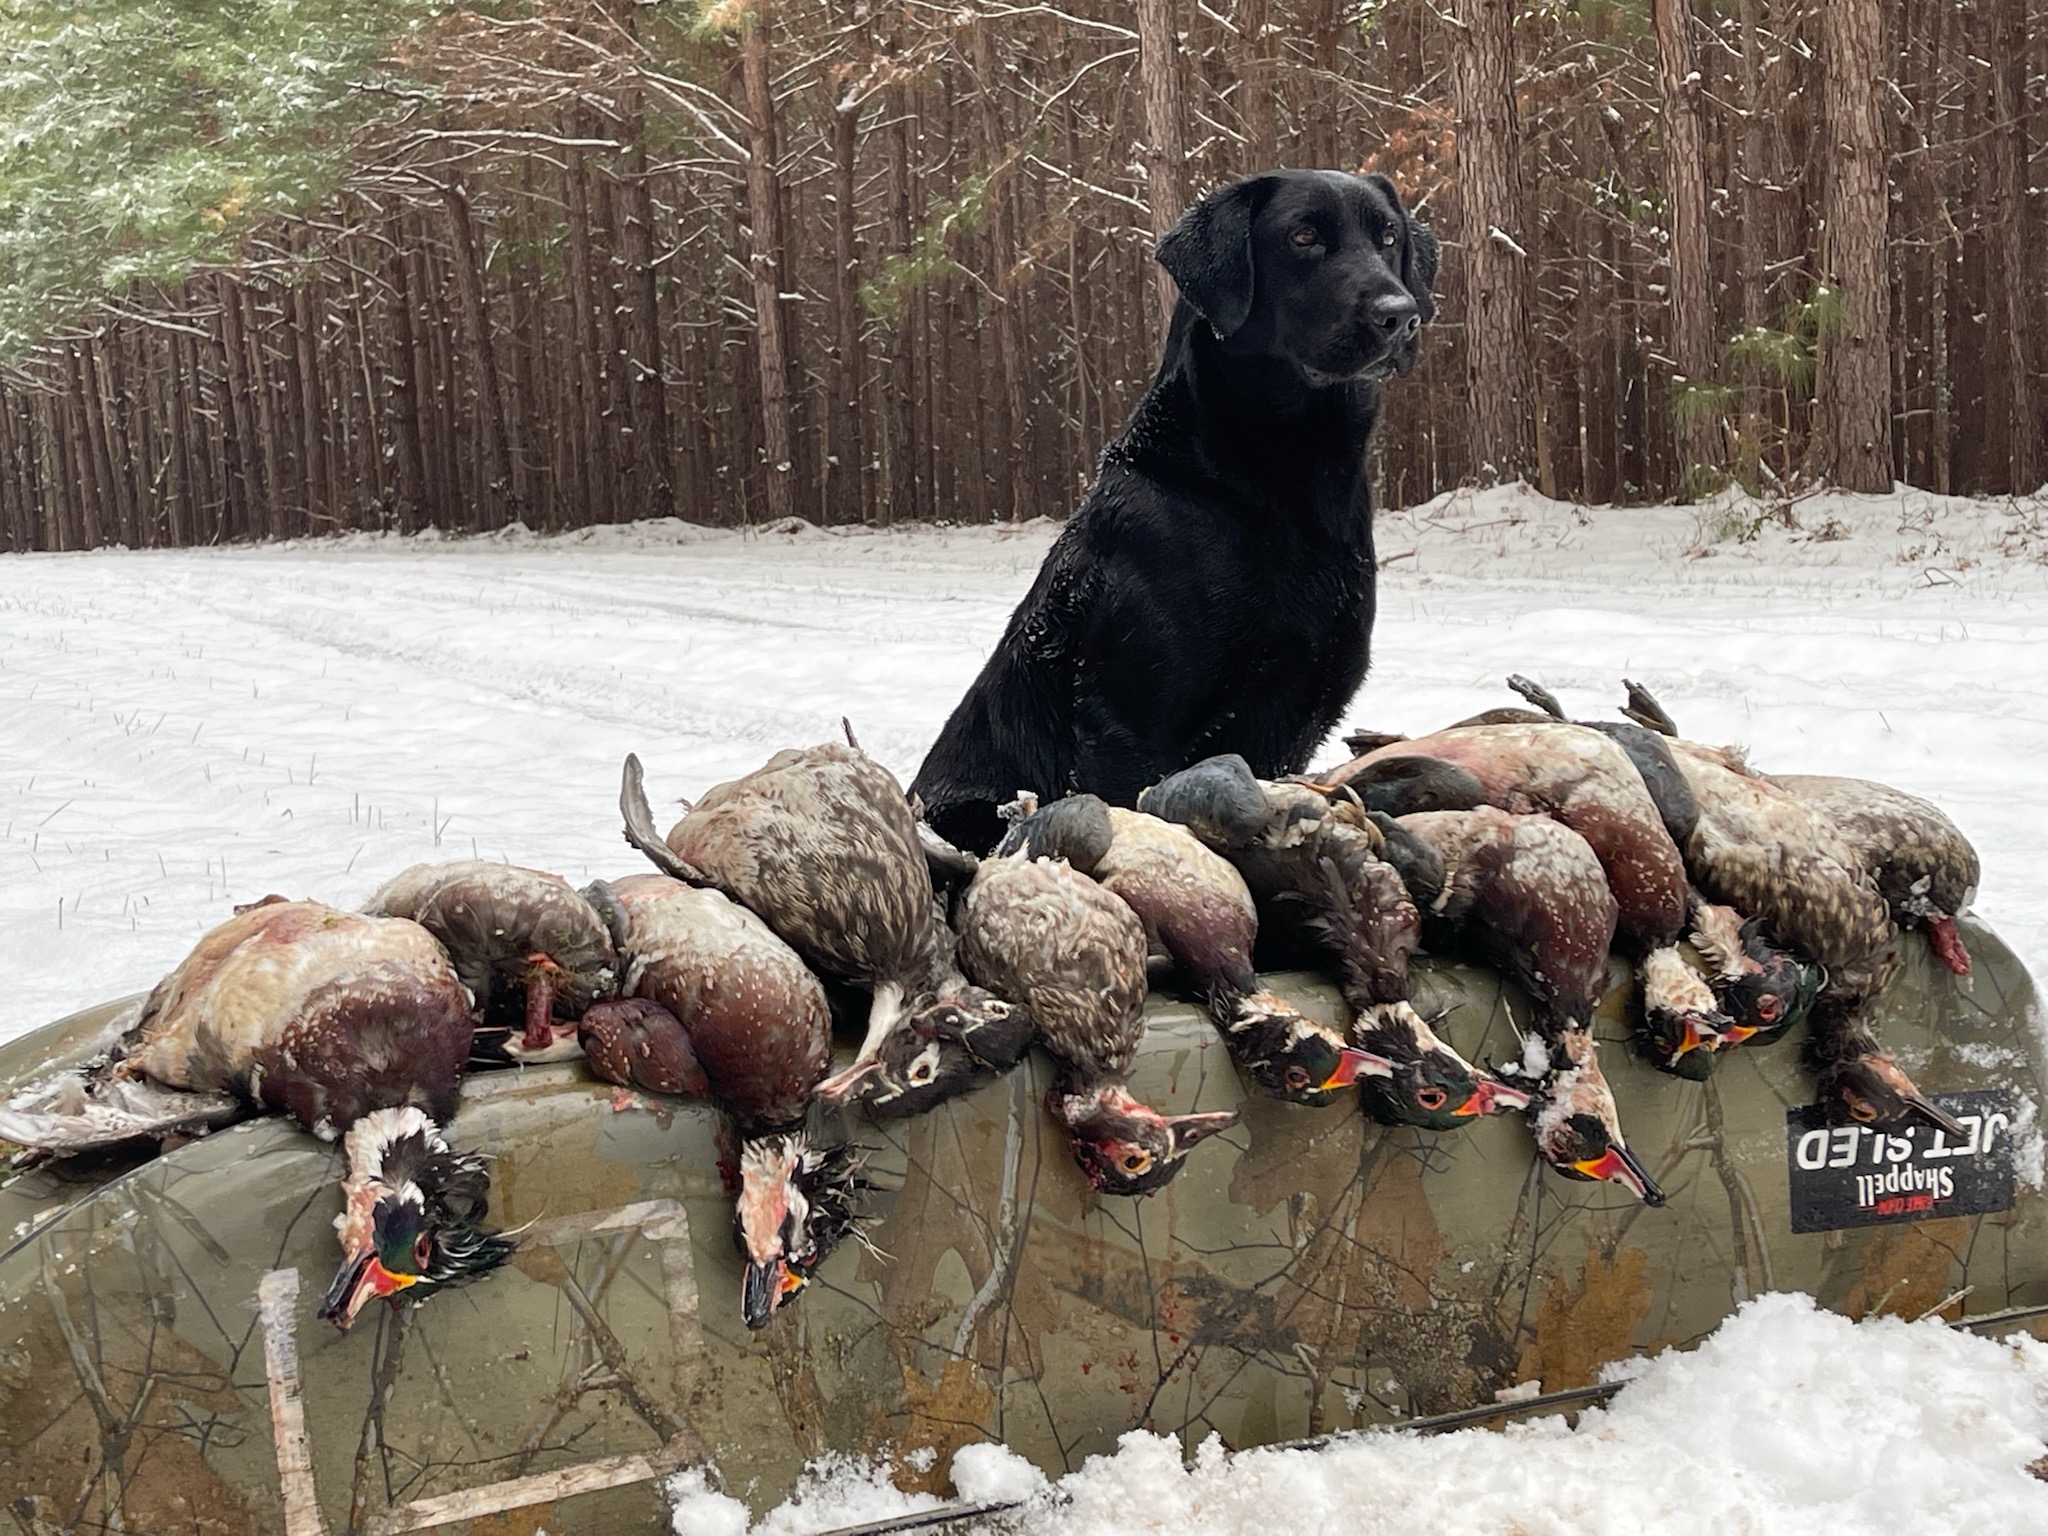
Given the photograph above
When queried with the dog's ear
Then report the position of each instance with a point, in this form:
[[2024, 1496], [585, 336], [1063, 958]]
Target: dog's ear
[[1419, 252], [1209, 253]]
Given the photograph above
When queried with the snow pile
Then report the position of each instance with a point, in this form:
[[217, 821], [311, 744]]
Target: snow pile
[[1788, 1420]]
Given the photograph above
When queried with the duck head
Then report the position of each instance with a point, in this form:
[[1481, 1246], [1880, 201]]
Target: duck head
[[1076, 829], [1124, 1147], [1578, 1130], [946, 1046], [1874, 1090], [954, 1044], [1765, 991], [1581, 1146], [1682, 1024], [1430, 1085], [796, 1204], [1293, 1057], [411, 1214], [1219, 799]]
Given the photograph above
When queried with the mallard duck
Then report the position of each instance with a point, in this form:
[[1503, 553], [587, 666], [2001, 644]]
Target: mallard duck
[[532, 950], [1073, 956]]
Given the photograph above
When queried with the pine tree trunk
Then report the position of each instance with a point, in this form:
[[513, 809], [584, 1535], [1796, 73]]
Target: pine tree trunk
[[1697, 435], [848, 477], [765, 265], [1498, 377], [1012, 424], [1255, 87], [2015, 299], [467, 257], [1854, 380], [1165, 150]]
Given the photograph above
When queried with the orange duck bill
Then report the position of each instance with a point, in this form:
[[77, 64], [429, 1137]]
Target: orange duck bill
[[1619, 1165], [360, 1281]]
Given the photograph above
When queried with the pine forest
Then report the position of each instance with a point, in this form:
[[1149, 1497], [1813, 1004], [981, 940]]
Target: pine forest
[[282, 267]]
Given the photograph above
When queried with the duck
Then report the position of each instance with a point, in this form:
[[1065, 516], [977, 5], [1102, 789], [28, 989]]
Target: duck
[[1925, 868], [756, 1022], [1764, 991], [533, 951], [355, 1026], [1528, 896], [1073, 954], [822, 844], [1762, 850], [1586, 782], [1317, 869], [1196, 908]]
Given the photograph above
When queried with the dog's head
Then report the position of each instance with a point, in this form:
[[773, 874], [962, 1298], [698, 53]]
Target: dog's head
[[1322, 269]]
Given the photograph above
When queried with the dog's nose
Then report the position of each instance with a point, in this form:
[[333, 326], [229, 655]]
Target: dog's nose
[[1396, 314]]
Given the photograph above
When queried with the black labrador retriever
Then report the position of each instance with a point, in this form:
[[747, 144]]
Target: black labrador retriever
[[1215, 591]]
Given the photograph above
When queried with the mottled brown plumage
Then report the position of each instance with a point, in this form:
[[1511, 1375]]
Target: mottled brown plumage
[[1072, 954], [1527, 896], [1580, 778], [636, 1043], [358, 1028], [758, 1025], [1767, 852], [1760, 989], [323, 1014], [1925, 869], [1196, 908], [1315, 871], [822, 845], [756, 1016], [1586, 781], [532, 951]]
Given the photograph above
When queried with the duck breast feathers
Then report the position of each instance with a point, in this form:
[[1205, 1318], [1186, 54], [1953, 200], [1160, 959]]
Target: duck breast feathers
[[1582, 779], [1925, 869], [756, 1016], [1528, 896], [1763, 850], [324, 1014], [1071, 952]]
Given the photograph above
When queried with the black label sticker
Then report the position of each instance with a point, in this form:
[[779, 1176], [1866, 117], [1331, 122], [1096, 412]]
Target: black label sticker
[[1855, 1176]]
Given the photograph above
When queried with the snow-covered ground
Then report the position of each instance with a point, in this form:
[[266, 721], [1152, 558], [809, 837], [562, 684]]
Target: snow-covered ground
[[180, 731]]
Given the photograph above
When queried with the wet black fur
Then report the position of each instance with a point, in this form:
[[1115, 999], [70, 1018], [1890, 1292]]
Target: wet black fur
[[1215, 591]]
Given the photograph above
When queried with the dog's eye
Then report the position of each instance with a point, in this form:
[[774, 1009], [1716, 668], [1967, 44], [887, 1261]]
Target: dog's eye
[[1306, 237]]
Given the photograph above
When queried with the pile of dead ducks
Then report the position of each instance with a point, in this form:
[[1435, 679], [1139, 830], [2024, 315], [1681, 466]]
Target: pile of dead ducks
[[1742, 903]]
